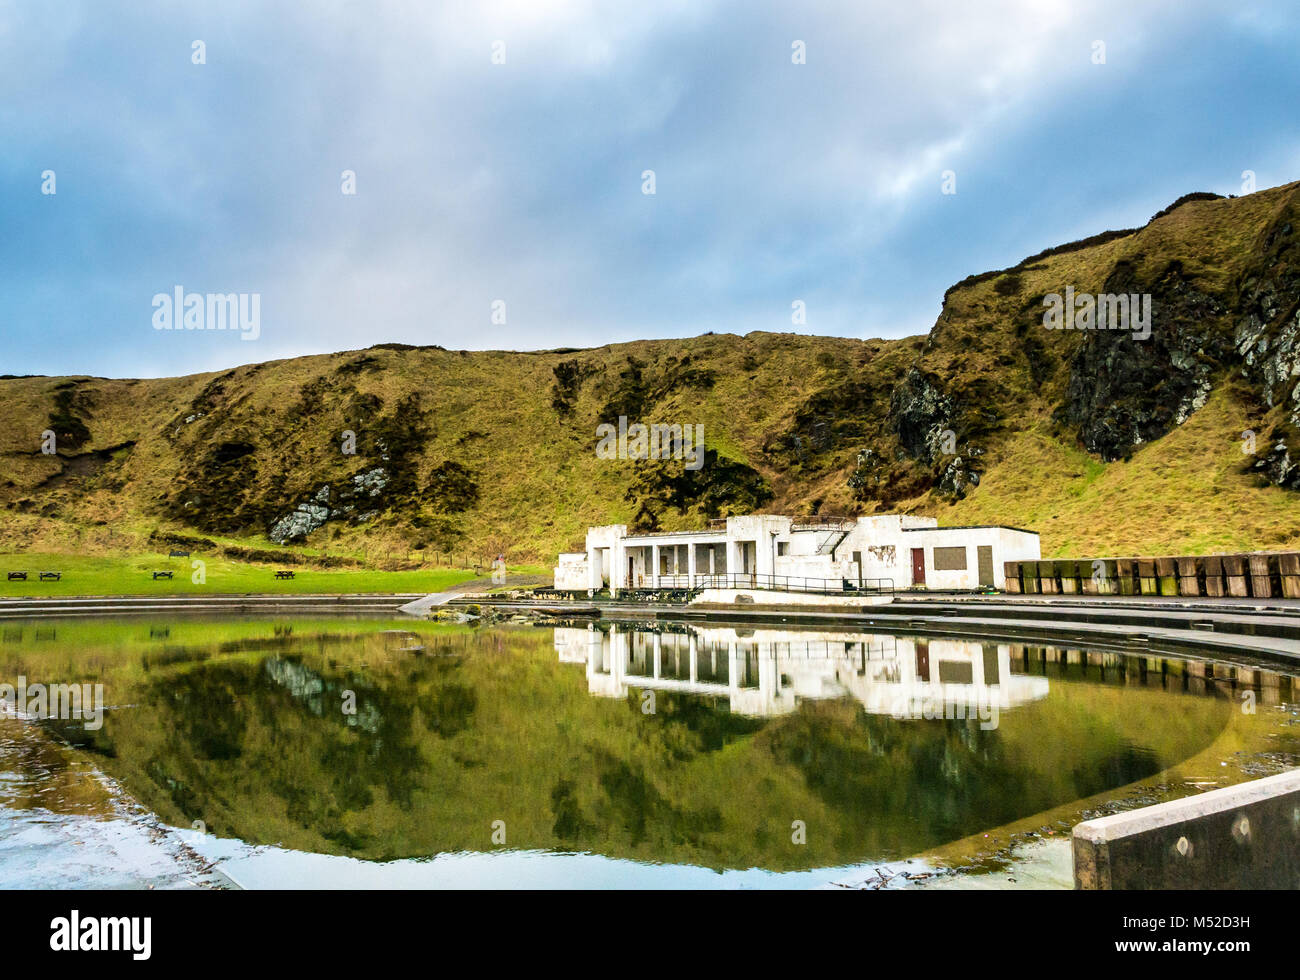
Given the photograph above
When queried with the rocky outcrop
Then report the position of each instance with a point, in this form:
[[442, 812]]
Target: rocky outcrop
[[307, 517], [840, 414], [919, 413], [1277, 466], [357, 493], [1267, 339], [868, 475], [960, 474], [1124, 391], [929, 422]]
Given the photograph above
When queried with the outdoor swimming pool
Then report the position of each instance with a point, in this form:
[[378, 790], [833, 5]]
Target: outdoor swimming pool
[[354, 752]]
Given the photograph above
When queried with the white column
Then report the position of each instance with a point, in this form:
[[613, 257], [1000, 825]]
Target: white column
[[690, 568], [654, 566], [617, 657], [595, 639]]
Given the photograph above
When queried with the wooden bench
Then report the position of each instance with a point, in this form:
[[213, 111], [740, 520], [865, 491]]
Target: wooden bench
[[179, 554], [17, 576], [284, 573], [51, 576], [158, 575]]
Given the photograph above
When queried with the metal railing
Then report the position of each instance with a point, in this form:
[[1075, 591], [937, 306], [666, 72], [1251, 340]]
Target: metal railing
[[823, 524], [776, 583]]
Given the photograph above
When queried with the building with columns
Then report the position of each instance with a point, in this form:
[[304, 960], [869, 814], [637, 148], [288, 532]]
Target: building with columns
[[761, 551]]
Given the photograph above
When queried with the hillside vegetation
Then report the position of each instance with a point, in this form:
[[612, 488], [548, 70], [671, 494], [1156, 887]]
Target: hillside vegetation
[[1102, 442]]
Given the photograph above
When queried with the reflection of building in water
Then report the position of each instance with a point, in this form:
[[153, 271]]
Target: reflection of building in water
[[768, 671]]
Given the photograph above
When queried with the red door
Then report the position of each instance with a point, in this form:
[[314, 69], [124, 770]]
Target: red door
[[918, 566]]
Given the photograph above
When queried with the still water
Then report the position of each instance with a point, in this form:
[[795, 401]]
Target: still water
[[350, 752]]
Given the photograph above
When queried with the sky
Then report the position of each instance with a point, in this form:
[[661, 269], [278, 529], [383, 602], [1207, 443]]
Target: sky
[[499, 155]]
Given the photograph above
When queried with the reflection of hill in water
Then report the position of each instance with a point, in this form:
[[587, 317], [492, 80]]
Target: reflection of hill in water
[[253, 740]]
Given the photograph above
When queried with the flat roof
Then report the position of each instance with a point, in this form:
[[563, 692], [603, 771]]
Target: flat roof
[[973, 527], [722, 532], [671, 534]]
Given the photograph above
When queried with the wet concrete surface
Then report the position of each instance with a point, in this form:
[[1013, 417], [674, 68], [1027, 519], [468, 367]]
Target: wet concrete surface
[[63, 825]]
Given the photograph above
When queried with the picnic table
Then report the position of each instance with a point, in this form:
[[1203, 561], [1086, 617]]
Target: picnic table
[[284, 573], [51, 576], [179, 554], [17, 576], [158, 575]]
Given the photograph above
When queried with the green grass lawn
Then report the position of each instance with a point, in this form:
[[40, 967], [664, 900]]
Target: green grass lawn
[[92, 576]]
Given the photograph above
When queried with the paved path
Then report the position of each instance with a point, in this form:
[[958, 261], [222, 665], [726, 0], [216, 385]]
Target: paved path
[[422, 607]]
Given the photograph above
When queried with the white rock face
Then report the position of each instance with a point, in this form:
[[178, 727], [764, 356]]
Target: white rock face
[[311, 514]]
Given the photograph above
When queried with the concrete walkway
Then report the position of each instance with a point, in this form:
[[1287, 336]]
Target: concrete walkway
[[82, 606], [422, 606], [478, 586]]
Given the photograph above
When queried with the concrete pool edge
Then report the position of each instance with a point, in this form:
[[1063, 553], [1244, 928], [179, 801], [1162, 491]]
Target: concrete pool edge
[[89, 606], [1263, 629], [1197, 629], [1239, 836]]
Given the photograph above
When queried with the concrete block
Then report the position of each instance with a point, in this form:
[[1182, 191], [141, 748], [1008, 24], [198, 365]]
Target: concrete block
[[1011, 570], [1244, 836]]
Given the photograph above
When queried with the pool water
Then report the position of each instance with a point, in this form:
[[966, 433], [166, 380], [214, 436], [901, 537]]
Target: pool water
[[348, 752]]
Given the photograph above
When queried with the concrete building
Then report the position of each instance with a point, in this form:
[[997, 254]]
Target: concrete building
[[885, 551]]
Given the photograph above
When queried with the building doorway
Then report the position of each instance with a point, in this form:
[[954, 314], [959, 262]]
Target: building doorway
[[748, 559], [918, 566], [984, 558]]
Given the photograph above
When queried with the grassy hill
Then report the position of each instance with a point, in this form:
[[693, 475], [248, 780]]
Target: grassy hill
[[1102, 442]]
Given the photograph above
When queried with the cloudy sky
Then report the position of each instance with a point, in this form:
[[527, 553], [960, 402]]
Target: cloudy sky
[[499, 149]]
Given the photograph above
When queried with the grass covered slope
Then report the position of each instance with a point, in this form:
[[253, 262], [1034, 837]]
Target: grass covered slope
[[1184, 493], [454, 451], [359, 459]]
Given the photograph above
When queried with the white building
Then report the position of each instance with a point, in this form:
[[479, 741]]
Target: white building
[[886, 551]]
